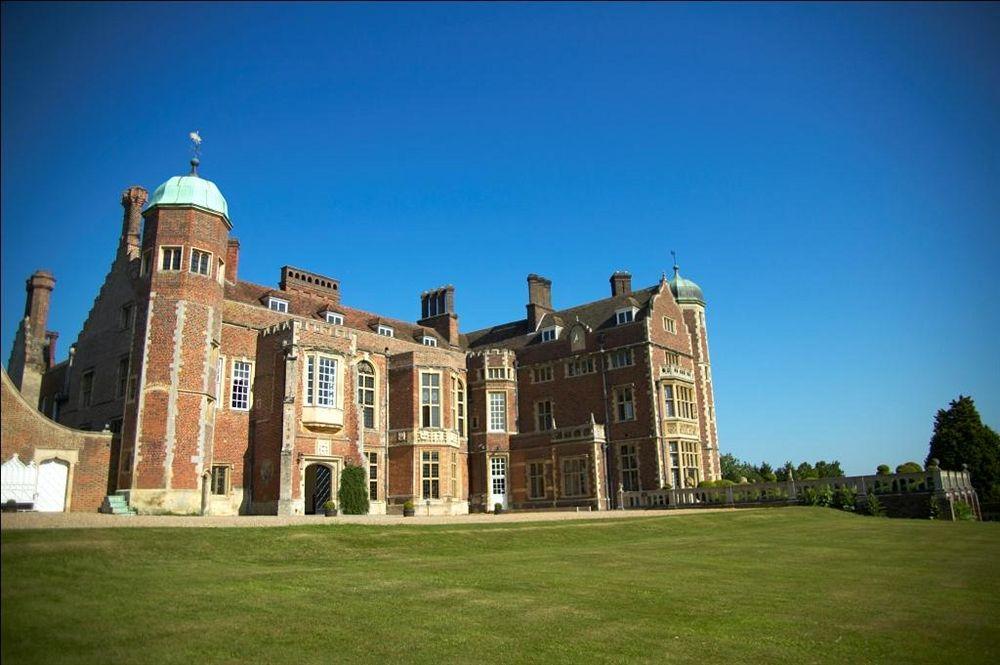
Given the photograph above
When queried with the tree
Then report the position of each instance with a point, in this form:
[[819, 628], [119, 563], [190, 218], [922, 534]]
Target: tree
[[828, 469], [766, 473], [804, 471], [960, 437], [883, 470], [909, 467], [353, 493]]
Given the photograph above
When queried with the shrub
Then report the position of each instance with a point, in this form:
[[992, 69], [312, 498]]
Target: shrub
[[873, 506], [816, 496], [844, 498], [353, 492], [408, 505], [330, 505], [883, 470], [716, 483], [963, 511], [909, 467], [933, 508]]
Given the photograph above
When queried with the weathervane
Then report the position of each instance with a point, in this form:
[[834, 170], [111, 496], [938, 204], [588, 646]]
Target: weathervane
[[677, 268], [196, 150]]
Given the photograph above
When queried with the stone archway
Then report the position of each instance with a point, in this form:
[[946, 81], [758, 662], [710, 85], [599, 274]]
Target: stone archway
[[319, 485]]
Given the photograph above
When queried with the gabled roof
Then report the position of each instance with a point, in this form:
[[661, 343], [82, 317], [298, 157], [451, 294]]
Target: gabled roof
[[597, 315], [311, 305]]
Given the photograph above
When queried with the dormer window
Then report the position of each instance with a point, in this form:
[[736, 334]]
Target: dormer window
[[623, 316], [277, 305], [549, 334], [386, 331], [429, 341], [334, 318]]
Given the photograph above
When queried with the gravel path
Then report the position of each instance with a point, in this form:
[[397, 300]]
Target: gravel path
[[10, 521]]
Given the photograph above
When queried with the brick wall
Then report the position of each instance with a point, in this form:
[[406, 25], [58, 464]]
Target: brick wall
[[23, 429]]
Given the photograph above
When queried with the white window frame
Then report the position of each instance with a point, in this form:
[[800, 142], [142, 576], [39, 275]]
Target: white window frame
[[363, 391], [430, 474], [204, 260], [625, 315], [669, 325], [334, 318], [549, 334], [372, 459], [431, 400], [313, 377], [279, 305], [458, 404], [429, 341], [236, 378], [386, 331], [176, 258], [497, 418]]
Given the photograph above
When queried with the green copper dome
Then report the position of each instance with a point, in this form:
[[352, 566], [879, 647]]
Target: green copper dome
[[684, 290], [190, 190]]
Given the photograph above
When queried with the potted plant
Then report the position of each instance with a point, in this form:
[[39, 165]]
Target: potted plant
[[408, 509], [498, 509], [330, 509]]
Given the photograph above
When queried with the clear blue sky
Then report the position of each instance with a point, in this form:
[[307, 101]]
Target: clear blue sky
[[830, 175]]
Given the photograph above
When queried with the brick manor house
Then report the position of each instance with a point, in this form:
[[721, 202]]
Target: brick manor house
[[189, 390]]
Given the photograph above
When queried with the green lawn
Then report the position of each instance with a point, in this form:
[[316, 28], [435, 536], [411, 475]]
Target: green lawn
[[777, 585]]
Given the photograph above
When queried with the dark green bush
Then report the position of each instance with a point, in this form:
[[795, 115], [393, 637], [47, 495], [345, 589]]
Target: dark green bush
[[353, 492], [883, 470], [909, 467], [844, 498]]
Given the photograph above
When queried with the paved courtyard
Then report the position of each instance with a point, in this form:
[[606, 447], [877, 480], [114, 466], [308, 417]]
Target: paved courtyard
[[10, 521]]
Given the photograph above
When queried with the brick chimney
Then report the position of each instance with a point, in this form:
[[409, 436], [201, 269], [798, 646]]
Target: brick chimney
[[28, 357], [133, 199], [232, 259], [437, 311], [539, 299], [621, 283]]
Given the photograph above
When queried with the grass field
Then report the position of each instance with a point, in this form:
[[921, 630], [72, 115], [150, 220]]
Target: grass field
[[778, 585]]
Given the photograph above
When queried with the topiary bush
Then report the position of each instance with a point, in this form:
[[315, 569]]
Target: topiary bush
[[353, 493], [883, 470], [909, 467]]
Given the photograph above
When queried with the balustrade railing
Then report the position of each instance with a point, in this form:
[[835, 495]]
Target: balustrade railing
[[953, 485]]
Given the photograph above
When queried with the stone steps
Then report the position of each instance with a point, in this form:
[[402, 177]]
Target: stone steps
[[115, 504]]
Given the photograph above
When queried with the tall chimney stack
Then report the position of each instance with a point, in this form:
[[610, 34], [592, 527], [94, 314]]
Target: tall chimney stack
[[133, 199], [232, 259], [539, 299]]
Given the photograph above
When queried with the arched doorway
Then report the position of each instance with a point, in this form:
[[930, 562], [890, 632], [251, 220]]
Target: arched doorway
[[53, 477], [319, 487]]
